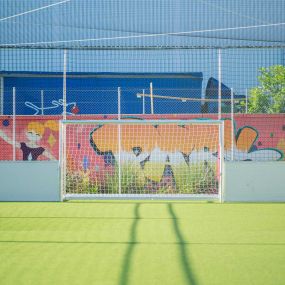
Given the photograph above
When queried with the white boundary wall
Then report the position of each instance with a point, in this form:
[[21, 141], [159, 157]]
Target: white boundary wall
[[254, 181], [242, 181], [29, 181]]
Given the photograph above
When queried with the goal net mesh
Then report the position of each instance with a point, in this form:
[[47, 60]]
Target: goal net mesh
[[140, 158]]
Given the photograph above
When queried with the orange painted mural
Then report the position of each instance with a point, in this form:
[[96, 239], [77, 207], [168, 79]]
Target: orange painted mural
[[176, 146], [256, 137], [157, 156]]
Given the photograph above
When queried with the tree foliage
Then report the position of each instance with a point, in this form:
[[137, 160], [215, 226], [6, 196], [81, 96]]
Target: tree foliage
[[269, 96]]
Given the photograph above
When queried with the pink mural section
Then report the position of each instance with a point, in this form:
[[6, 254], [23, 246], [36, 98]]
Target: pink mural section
[[37, 137], [270, 129]]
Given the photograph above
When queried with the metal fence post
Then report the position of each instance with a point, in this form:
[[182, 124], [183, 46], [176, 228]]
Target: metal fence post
[[64, 84], [220, 84], [14, 124], [246, 100], [221, 157], [119, 142], [232, 124], [151, 98], [1, 96], [42, 102], [62, 159], [143, 102]]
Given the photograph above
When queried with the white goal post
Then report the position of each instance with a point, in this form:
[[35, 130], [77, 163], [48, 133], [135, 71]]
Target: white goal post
[[138, 159]]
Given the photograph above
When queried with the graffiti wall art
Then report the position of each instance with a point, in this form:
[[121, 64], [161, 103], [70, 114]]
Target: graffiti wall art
[[153, 157]]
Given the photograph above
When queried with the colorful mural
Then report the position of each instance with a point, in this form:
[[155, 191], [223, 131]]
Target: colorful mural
[[256, 137], [161, 153], [244, 145], [154, 158], [171, 150], [35, 138]]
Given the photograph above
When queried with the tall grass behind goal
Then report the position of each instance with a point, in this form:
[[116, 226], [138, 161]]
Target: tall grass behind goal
[[141, 159]]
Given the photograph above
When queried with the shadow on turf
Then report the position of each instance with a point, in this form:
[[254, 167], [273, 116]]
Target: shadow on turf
[[182, 247], [124, 277]]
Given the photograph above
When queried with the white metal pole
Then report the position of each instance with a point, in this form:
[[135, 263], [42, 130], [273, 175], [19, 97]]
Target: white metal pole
[[151, 98], [232, 124], [42, 101], [63, 129], [246, 100], [221, 158], [14, 123], [61, 164], [143, 102], [64, 84], [119, 103], [64, 160], [220, 84], [119, 142]]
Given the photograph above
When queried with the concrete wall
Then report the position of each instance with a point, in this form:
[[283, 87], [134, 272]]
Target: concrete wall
[[254, 181], [29, 181], [243, 181]]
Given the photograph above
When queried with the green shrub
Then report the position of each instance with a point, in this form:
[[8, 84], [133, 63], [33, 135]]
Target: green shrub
[[80, 183], [132, 179], [197, 178]]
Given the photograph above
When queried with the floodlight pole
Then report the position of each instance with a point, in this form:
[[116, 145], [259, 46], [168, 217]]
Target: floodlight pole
[[220, 84]]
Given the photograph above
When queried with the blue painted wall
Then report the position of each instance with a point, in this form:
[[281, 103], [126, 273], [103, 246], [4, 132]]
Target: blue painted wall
[[97, 93]]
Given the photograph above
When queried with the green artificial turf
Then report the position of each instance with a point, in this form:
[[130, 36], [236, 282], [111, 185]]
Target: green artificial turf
[[142, 242]]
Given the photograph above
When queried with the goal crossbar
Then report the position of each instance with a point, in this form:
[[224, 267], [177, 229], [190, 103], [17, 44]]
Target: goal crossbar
[[144, 122]]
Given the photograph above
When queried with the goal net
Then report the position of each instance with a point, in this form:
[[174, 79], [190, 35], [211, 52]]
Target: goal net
[[141, 158]]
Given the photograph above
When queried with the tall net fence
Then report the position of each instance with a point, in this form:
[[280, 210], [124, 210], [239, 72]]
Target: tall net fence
[[127, 24], [93, 77], [141, 59]]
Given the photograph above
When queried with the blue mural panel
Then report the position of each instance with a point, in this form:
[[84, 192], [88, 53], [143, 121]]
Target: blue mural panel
[[97, 93]]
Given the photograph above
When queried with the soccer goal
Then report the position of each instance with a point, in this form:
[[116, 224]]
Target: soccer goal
[[141, 159]]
